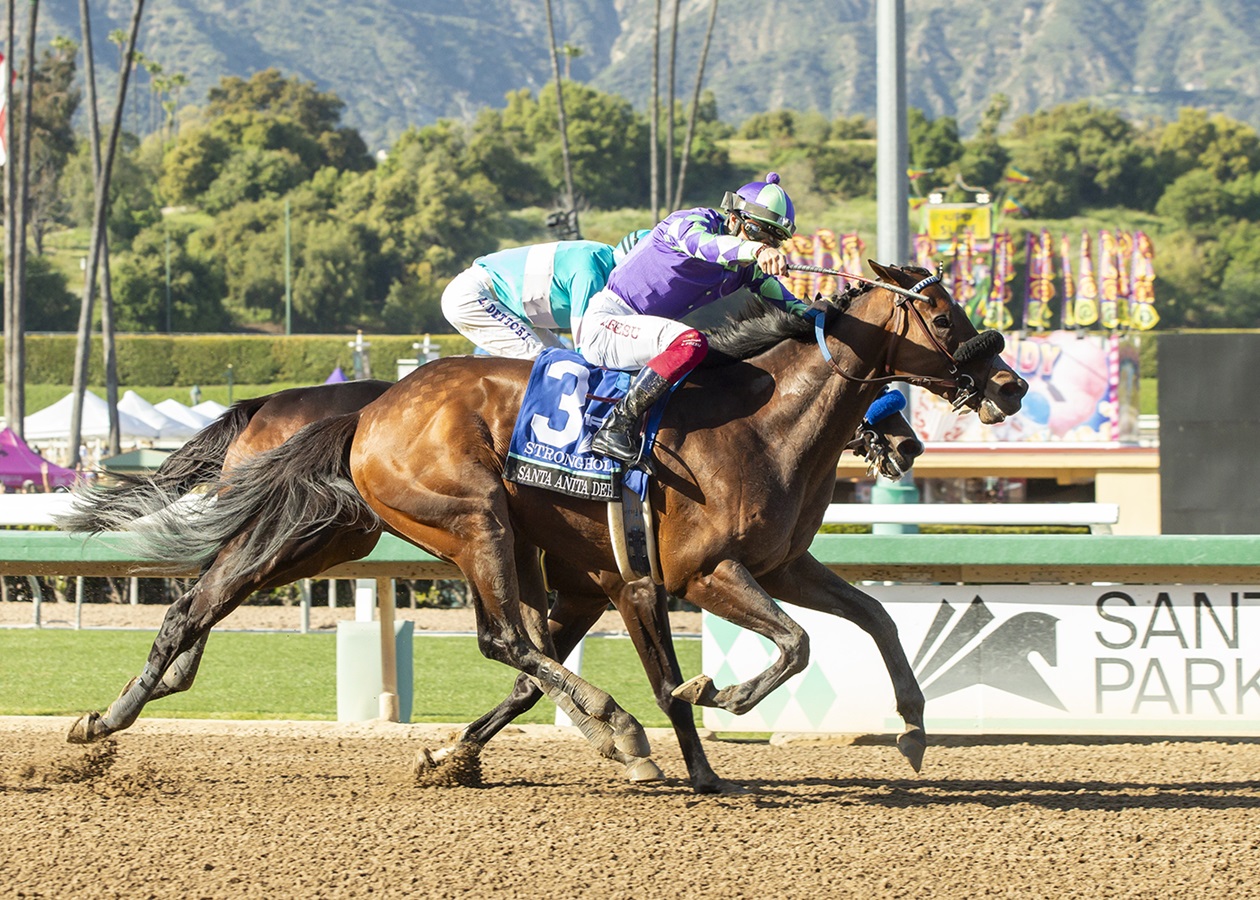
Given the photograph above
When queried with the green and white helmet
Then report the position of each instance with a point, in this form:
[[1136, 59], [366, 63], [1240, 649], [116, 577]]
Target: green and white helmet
[[765, 203]]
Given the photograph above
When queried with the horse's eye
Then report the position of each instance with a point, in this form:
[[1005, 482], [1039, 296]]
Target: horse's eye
[[942, 322]]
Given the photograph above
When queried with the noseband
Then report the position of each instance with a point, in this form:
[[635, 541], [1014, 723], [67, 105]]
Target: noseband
[[964, 383]]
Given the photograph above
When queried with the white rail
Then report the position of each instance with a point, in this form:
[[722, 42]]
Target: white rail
[[1098, 516]]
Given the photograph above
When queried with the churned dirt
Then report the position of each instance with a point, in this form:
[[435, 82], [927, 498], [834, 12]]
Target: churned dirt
[[183, 808], [177, 808]]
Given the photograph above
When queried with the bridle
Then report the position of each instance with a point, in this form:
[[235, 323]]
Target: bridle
[[906, 313]]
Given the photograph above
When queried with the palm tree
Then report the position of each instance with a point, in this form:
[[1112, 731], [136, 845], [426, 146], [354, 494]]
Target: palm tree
[[655, 118], [97, 242], [13, 393], [669, 106], [695, 103], [19, 164], [570, 53], [575, 231]]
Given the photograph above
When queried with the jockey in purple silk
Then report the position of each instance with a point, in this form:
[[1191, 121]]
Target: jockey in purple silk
[[691, 259]]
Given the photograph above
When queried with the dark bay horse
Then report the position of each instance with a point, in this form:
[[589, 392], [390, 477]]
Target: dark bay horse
[[746, 458], [252, 426]]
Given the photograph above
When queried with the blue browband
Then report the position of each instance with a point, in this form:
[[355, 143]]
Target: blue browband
[[931, 279]]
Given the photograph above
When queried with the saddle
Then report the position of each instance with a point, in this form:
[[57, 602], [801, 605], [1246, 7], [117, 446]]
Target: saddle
[[565, 402]]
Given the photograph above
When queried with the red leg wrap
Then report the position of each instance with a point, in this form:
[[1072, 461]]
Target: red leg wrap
[[681, 356]]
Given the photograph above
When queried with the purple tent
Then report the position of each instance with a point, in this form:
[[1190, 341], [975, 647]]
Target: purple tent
[[336, 377], [20, 464]]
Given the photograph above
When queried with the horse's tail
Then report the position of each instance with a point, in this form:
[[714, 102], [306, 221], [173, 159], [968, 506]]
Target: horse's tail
[[287, 494], [114, 504]]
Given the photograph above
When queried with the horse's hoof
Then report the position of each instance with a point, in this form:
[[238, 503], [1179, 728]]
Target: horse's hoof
[[644, 769], [424, 762], [699, 691], [716, 785], [913, 743], [633, 741], [458, 766], [86, 729]]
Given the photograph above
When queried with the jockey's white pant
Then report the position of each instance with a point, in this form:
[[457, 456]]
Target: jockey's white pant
[[469, 303], [611, 334]]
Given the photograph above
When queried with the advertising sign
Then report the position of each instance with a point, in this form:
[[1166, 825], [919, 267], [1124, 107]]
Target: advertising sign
[[1018, 659], [946, 221], [1082, 388]]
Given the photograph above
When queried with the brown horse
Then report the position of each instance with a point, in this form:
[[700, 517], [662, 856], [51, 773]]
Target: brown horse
[[252, 426], [746, 461]]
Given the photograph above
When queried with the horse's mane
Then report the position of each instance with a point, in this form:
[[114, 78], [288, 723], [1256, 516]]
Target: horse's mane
[[758, 326]]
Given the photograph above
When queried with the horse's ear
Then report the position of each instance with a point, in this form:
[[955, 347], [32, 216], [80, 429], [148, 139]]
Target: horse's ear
[[879, 270]]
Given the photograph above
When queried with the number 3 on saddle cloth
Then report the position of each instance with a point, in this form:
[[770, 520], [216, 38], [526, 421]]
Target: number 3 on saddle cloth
[[565, 402]]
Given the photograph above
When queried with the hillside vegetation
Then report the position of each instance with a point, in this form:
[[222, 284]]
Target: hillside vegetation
[[405, 63]]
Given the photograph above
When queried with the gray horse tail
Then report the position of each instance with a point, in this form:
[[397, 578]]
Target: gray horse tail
[[113, 504], [285, 495]]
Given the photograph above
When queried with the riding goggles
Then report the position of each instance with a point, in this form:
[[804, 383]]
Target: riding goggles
[[780, 226], [763, 233]]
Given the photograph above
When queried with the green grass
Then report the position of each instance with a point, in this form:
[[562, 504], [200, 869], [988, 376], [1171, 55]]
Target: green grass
[[1148, 396], [290, 676]]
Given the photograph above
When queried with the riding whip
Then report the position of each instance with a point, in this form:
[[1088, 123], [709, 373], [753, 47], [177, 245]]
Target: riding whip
[[896, 289]]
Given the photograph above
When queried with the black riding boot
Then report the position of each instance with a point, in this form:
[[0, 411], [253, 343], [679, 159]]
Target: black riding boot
[[618, 437]]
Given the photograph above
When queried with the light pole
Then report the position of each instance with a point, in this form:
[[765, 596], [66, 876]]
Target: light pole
[[892, 196]]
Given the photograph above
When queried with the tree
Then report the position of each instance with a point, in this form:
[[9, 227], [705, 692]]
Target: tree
[[606, 142], [196, 286], [846, 169], [133, 190], [1225, 148], [1197, 200], [934, 143], [1105, 162], [267, 127], [54, 99]]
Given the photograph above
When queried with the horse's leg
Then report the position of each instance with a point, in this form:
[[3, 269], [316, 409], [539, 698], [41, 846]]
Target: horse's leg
[[176, 651], [731, 592], [572, 618], [534, 612], [644, 608], [180, 674], [808, 583], [501, 636], [187, 621]]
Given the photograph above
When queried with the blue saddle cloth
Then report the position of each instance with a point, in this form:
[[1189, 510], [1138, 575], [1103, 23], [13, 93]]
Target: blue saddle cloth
[[565, 402]]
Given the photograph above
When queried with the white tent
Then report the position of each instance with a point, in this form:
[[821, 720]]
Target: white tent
[[210, 408], [169, 429], [181, 413], [53, 423]]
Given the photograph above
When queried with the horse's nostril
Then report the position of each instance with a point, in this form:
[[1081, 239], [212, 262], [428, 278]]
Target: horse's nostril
[[911, 448], [1014, 389]]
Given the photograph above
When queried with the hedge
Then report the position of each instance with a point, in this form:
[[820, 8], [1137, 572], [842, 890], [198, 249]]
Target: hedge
[[161, 360]]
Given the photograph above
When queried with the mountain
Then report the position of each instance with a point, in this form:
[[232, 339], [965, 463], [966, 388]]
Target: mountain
[[398, 63]]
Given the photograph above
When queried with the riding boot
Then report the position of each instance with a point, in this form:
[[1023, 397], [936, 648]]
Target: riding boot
[[618, 437]]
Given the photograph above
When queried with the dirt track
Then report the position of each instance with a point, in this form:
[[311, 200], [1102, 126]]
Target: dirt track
[[289, 618], [248, 809]]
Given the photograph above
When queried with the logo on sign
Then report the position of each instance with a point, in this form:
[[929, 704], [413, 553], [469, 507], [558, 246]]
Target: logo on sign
[[979, 650]]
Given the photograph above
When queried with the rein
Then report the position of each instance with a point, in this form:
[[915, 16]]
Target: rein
[[905, 305]]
